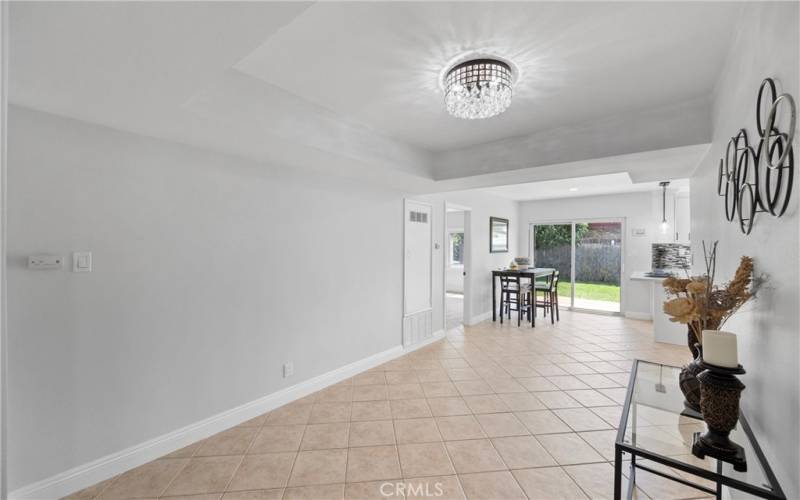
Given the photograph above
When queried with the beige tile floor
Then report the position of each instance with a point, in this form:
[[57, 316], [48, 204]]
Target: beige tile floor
[[491, 412], [454, 310]]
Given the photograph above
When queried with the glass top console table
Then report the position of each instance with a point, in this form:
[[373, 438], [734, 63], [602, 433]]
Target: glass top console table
[[656, 432]]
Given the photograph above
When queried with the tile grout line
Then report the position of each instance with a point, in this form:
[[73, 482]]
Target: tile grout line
[[500, 456], [446, 450], [495, 448], [241, 461], [297, 453], [188, 462], [107, 486], [347, 451]]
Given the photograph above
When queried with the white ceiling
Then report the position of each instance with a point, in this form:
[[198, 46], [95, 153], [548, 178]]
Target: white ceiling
[[381, 62], [580, 186], [352, 88]]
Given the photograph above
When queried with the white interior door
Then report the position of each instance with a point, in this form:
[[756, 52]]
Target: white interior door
[[417, 272]]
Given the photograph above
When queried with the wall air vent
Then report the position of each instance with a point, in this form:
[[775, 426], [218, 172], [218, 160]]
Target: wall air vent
[[418, 217]]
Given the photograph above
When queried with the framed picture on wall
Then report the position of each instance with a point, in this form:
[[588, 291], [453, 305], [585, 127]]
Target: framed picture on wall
[[498, 235]]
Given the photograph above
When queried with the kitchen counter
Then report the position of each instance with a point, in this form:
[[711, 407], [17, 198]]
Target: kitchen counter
[[642, 275], [664, 330]]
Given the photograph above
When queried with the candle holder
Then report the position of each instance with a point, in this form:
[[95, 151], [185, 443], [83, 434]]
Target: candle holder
[[720, 391]]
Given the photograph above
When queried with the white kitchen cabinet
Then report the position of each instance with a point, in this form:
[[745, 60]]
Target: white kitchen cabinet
[[682, 218]]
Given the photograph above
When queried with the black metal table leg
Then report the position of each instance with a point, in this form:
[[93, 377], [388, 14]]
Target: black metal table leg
[[503, 300], [617, 473], [494, 297], [502, 304], [632, 478]]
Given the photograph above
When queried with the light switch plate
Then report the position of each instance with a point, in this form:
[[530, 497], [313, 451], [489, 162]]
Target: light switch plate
[[45, 262], [82, 262]]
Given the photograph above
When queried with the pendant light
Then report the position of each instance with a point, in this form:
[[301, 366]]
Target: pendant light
[[664, 225]]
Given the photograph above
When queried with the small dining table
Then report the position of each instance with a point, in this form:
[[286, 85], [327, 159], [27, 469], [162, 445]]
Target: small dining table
[[531, 273]]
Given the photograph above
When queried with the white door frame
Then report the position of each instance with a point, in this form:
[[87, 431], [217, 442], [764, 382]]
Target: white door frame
[[572, 222], [467, 309]]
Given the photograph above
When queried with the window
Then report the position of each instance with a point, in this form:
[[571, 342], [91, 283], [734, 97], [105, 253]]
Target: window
[[456, 248]]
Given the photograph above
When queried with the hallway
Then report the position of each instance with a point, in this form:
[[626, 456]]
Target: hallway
[[454, 310]]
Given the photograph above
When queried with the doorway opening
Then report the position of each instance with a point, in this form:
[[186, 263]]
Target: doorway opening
[[456, 257], [588, 256]]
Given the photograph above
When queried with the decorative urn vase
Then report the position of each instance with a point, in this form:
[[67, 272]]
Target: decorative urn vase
[[720, 393], [687, 380]]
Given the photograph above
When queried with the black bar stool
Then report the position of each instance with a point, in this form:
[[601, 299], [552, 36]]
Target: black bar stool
[[549, 300]]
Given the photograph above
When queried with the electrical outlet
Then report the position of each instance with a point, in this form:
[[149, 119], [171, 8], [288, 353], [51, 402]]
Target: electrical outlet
[[288, 369]]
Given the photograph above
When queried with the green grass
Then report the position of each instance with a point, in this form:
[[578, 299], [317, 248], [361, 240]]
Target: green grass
[[590, 291]]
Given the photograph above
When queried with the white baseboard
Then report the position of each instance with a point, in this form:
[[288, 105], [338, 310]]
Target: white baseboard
[[83, 476], [639, 315], [479, 318], [437, 335]]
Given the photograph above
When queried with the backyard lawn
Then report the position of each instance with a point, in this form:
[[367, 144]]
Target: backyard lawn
[[590, 291]]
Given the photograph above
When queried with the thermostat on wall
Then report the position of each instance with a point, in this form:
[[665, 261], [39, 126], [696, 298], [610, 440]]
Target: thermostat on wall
[[45, 262], [639, 231]]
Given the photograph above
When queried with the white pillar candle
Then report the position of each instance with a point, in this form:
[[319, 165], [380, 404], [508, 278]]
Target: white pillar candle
[[719, 349]]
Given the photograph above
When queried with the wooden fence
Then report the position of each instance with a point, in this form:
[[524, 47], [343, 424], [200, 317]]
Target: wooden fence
[[594, 262]]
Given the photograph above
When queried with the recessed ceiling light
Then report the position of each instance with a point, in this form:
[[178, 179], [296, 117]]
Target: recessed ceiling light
[[573, 189]]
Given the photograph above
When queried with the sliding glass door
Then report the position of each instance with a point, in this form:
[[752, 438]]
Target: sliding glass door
[[552, 247], [598, 266], [588, 256]]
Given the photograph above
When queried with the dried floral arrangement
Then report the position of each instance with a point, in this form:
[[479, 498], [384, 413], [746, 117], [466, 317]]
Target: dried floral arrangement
[[697, 302]]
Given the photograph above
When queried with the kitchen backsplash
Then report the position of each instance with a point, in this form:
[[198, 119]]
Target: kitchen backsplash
[[671, 256]]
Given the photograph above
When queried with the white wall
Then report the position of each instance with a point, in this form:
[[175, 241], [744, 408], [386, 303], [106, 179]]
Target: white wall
[[3, 163], [209, 273], [640, 210], [766, 45], [453, 274], [478, 302]]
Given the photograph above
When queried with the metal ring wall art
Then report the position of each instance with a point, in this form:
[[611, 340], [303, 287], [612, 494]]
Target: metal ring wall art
[[759, 179]]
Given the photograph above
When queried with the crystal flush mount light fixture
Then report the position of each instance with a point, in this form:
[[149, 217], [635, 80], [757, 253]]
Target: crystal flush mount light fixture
[[478, 88]]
